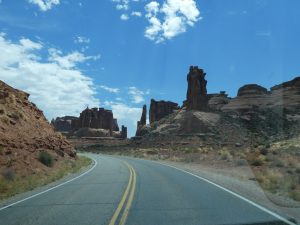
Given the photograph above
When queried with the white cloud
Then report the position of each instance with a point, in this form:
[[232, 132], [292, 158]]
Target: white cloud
[[70, 60], [54, 84], [166, 20], [82, 40], [170, 19], [137, 96], [124, 17], [45, 5], [125, 114], [109, 89], [135, 13]]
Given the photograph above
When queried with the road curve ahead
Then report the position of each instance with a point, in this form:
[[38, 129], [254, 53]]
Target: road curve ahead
[[136, 192]]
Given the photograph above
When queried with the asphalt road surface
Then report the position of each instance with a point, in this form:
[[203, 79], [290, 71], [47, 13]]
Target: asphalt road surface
[[136, 192]]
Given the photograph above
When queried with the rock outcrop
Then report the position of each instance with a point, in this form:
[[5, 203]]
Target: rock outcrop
[[142, 121], [253, 117], [251, 90], [161, 109], [217, 101], [96, 118], [196, 97], [63, 124], [25, 132], [284, 97], [91, 123], [123, 132]]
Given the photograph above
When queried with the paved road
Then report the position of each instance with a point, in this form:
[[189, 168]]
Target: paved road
[[135, 192]]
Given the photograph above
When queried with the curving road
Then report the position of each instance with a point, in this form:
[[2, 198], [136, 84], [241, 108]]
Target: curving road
[[136, 192]]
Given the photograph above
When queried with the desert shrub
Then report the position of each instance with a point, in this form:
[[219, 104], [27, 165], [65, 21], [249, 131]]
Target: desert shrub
[[259, 161], [278, 163], [225, 155], [8, 174], [264, 151], [240, 162], [295, 194], [46, 159], [2, 112]]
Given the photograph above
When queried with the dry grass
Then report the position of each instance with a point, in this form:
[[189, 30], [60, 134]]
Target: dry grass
[[12, 184]]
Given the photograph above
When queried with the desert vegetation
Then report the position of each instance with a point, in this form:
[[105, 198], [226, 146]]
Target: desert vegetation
[[11, 183]]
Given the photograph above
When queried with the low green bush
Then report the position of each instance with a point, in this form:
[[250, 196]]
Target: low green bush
[[46, 159]]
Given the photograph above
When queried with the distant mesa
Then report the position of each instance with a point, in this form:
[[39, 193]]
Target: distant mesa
[[95, 122]]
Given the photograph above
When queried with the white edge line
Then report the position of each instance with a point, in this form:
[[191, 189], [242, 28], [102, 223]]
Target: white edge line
[[229, 191], [50, 189]]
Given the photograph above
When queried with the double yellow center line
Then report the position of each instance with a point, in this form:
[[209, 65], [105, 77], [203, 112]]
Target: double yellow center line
[[127, 198]]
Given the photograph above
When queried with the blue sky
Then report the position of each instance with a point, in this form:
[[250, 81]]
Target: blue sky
[[121, 53]]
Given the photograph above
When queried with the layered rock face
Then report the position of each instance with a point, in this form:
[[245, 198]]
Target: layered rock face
[[63, 124], [161, 109], [254, 116], [284, 97], [96, 118], [24, 132], [217, 101], [196, 97], [91, 123]]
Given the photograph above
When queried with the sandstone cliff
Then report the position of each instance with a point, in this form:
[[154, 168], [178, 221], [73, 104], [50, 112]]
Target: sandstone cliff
[[24, 132], [255, 115]]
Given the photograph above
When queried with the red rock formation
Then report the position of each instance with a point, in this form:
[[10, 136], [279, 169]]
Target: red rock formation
[[24, 132], [284, 97], [63, 124], [196, 97], [161, 109], [252, 89], [217, 101], [124, 132], [142, 121]]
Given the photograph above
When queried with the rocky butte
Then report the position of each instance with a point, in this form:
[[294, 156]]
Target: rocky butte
[[95, 122], [253, 116]]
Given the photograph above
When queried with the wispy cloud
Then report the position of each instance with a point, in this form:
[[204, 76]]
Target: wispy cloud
[[109, 89], [54, 83], [81, 40], [45, 5], [136, 13], [136, 95]]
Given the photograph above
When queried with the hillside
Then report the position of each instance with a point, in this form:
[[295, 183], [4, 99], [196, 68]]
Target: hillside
[[25, 133]]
